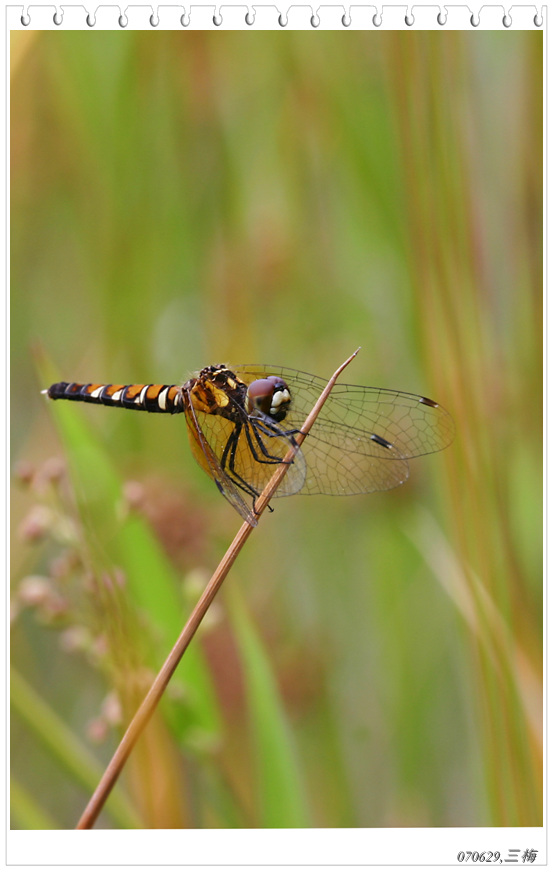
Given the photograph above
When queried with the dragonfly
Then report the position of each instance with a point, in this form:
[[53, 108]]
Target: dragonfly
[[242, 421]]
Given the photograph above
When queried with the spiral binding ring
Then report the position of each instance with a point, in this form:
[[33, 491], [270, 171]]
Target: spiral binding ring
[[315, 19]]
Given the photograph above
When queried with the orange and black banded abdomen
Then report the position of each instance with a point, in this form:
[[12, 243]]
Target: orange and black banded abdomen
[[142, 398]]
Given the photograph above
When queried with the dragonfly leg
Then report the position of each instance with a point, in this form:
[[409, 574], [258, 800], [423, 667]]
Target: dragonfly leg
[[228, 459], [232, 442], [228, 462], [271, 458], [269, 430]]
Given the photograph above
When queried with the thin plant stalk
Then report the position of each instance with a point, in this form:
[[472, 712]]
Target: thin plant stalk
[[152, 698]]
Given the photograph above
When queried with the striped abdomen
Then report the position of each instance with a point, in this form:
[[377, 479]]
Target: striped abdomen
[[144, 398]]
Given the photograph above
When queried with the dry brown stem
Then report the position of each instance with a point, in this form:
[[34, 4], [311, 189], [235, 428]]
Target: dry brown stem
[[161, 681]]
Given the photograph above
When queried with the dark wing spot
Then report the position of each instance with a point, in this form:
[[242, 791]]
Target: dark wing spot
[[381, 441], [428, 402]]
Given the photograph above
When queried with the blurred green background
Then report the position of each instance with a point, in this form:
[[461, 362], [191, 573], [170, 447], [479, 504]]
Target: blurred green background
[[187, 198]]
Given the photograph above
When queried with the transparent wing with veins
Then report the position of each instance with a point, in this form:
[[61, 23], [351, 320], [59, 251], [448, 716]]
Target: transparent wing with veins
[[241, 461], [363, 438]]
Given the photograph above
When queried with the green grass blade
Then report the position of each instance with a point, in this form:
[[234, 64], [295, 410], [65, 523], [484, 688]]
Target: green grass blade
[[117, 538], [25, 813], [65, 747], [281, 795]]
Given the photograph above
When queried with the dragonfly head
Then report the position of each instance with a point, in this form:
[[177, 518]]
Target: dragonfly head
[[268, 396]]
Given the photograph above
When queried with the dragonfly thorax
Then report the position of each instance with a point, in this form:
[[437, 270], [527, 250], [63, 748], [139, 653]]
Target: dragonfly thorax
[[268, 396]]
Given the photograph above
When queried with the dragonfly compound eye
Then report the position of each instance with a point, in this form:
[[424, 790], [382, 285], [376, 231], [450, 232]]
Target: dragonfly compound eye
[[268, 396]]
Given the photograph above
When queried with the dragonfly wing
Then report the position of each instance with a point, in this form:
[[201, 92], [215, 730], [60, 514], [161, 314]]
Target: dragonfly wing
[[206, 457], [245, 466], [413, 424], [344, 469], [363, 437]]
